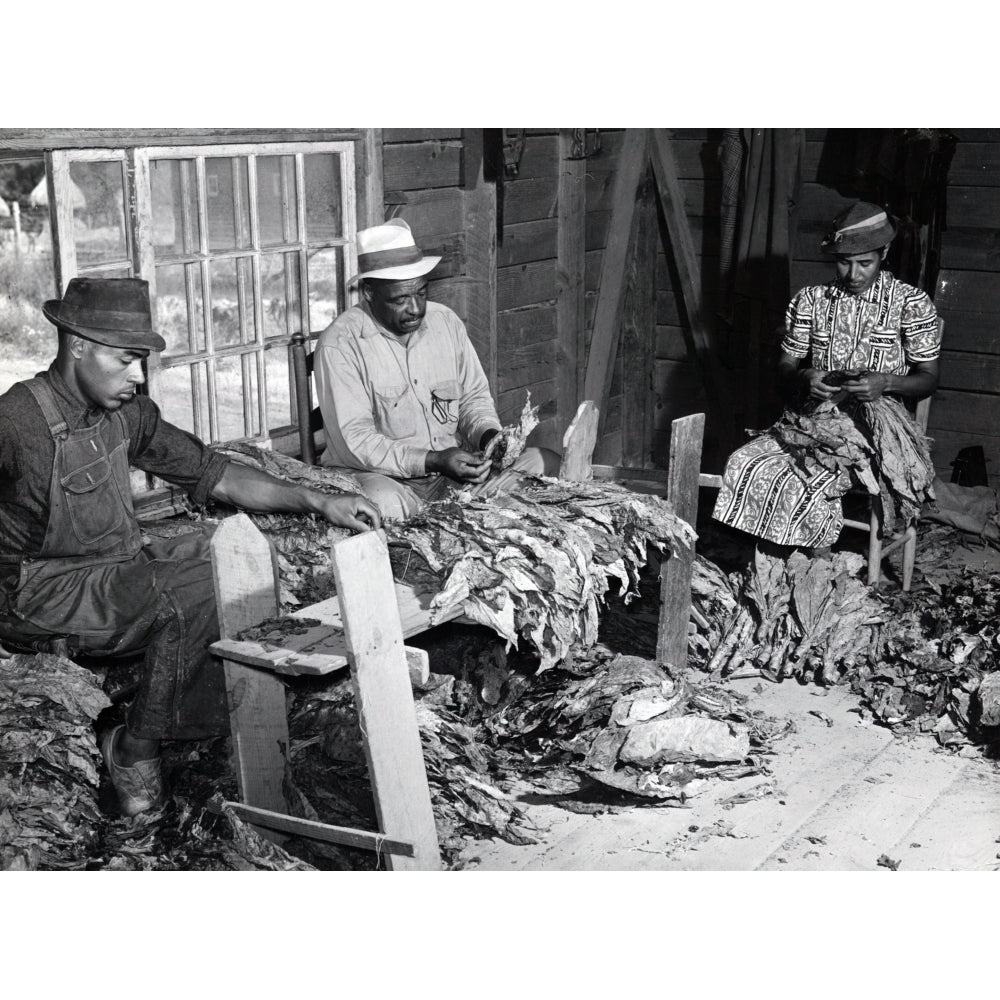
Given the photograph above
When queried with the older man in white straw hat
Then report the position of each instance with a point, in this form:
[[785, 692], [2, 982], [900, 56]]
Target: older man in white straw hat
[[405, 402]]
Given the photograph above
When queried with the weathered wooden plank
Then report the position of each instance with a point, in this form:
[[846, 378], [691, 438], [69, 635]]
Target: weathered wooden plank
[[970, 372], [970, 249], [638, 333], [570, 288], [524, 242], [688, 270], [394, 135], [480, 221], [383, 697], [431, 214], [671, 344], [530, 199], [543, 395], [679, 391], [526, 284], [540, 157], [422, 165], [675, 572], [245, 572], [975, 164], [38, 139], [604, 342], [967, 291], [527, 326], [347, 836], [578, 444], [699, 197], [972, 412], [525, 364], [973, 206]]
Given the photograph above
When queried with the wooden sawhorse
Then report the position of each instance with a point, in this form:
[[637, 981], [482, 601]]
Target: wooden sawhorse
[[362, 627]]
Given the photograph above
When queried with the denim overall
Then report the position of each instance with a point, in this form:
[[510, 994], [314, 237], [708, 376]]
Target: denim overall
[[96, 589]]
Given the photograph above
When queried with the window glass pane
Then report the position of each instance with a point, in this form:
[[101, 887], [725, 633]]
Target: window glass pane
[[277, 206], [326, 287], [179, 308], [98, 192], [27, 275], [225, 303], [279, 398], [182, 395], [228, 202], [279, 285], [230, 398], [323, 197], [176, 227]]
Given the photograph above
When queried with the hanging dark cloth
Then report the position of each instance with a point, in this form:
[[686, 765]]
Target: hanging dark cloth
[[761, 183]]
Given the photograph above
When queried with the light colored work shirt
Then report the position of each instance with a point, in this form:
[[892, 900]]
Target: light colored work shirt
[[385, 404]]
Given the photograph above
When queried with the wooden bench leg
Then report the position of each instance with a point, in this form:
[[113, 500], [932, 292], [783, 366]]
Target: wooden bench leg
[[384, 697], [875, 542], [246, 592], [909, 554]]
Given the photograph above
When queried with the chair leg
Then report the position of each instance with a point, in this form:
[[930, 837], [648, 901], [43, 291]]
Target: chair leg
[[875, 542], [909, 554]]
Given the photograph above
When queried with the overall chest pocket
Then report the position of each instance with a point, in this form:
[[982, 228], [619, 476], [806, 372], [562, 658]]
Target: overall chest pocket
[[394, 415], [93, 499]]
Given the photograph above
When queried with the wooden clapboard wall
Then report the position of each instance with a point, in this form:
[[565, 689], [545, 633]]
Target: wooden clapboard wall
[[966, 408]]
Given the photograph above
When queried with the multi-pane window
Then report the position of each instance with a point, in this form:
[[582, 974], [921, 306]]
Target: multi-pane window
[[243, 246]]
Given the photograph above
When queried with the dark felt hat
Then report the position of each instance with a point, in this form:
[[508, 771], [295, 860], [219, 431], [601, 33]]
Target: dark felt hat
[[112, 311], [861, 228]]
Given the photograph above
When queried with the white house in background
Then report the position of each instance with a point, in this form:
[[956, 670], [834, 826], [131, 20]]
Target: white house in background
[[40, 195]]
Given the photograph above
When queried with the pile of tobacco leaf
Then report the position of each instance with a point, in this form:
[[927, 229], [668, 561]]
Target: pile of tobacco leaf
[[876, 445], [535, 565]]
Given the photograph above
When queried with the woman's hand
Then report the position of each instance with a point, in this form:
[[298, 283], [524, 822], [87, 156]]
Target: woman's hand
[[868, 388], [812, 378]]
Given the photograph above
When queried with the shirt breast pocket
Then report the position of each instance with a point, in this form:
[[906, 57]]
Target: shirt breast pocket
[[393, 412], [445, 397]]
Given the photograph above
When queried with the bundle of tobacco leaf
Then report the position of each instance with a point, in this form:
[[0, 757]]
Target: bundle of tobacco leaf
[[535, 565], [49, 815], [798, 617], [504, 448], [626, 725], [876, 445]]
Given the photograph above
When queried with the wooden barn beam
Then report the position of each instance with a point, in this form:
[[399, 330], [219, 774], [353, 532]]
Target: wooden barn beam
[[682, 247], [479, 211], [571, 239], [611, 289]]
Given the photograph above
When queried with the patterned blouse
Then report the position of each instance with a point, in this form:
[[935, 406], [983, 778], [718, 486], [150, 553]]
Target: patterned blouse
[[887, 329]]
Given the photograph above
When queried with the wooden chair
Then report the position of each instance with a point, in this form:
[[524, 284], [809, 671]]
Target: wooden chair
[[308, 417], [881, 543]]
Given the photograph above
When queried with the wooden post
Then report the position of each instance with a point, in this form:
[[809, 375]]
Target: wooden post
[[246, 592], [374, 638], [675, 573], [479, 208], [604, 341], [15, 209], [638, 333], [682, 248], [571, 248]]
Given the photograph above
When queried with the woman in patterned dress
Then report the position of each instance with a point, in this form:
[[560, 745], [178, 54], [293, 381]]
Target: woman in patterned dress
[[884, 333]]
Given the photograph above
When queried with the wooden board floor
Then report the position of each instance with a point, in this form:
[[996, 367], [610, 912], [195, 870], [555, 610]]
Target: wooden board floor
[[839, 798]]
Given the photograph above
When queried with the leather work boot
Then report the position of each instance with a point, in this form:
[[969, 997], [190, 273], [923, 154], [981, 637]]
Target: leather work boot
[[139, 787]]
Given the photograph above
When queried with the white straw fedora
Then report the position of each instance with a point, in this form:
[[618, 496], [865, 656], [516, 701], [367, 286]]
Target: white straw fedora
[[389, 252]]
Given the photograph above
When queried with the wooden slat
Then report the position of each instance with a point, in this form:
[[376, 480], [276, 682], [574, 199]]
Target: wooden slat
[[971, 412], [393, 135], [604, 343], [638, 332], [524, 242], [246, 587], [480, 223], [675, 572], [347, 836], [526, 284], [665, 170], [529, 200], [970, 372], [35, 139], [523, 365], [422, 165], [384, 700]]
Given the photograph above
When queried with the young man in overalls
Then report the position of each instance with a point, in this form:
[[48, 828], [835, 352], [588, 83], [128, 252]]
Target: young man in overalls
[[75, 575]]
